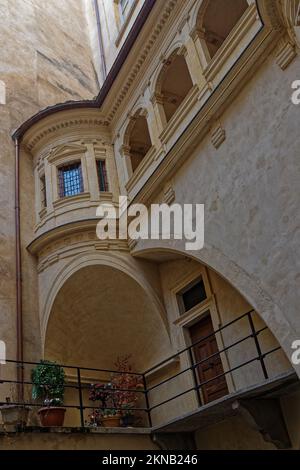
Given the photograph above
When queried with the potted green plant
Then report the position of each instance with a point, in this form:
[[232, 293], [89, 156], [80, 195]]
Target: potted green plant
[[48, 379]]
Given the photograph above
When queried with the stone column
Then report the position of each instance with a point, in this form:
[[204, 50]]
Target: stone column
[[157, 101], [91, 170]]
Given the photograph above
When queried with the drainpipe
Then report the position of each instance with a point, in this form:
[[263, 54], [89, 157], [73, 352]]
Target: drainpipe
[[100, 41], [19, 311]]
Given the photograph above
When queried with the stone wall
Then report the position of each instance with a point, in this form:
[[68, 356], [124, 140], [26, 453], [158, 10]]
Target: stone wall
[[45, 59], [64, 439]]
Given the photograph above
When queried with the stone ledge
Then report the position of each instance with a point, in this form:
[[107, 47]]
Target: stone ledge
[[76, 430], [221, 409]]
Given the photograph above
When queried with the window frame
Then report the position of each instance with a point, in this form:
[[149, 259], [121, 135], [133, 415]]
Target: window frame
[[60, 179], [103, 176], [181, 292], [43, 191]]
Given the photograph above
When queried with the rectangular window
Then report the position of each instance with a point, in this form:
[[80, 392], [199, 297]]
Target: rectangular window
[[191, 295], [102, 175], [43, 192], [70, 180]]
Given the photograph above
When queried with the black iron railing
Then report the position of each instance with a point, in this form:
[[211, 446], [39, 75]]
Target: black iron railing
[[147, 389]]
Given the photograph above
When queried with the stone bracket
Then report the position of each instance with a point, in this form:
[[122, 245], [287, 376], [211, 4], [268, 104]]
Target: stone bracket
[[218, 135], [265, 416], [286, 55], [174, 440]]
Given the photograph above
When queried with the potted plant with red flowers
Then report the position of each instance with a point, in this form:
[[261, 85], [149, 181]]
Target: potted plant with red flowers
[[48, 380], [107, 414], [129, 383]]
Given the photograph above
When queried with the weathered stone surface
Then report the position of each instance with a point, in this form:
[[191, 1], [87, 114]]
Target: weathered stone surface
[[45, 59]]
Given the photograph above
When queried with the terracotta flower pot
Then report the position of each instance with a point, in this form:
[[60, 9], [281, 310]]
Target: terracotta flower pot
[[111, 421], [52, 416]]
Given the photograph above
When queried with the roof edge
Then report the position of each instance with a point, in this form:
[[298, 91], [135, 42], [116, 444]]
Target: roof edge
[[111, 77]]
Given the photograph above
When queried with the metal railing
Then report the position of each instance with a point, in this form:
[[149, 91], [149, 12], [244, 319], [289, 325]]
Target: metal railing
[[258, 357], [193, 367]]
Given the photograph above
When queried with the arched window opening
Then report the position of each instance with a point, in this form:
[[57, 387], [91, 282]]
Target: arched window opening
[[218, 20], [139, 140], [175, 85]]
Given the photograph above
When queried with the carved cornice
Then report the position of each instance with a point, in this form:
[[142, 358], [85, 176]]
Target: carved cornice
[[151, 42], [270, 13], [291, 16], [76, 244], [65, 150], [218, 135], [210, 111], [286, 54], [168, 194], [76, 235], [82, 123]]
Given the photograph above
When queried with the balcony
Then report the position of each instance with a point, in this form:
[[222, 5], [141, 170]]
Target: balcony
[[177, 405]]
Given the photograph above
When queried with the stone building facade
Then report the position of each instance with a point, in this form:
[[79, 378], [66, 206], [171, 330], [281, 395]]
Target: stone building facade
[[194, 107]]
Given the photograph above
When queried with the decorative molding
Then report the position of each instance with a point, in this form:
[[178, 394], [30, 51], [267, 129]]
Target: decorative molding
[[65, 150], [211, 108], [131, 243], [183, 22], [124, 150], [169, 194], [105, 196], [71, 199], [291, 17], [270, 13], [153, 38], [182, 50], [72, 245], [82, 123], [196, 33], [42, 213], [286, 55], [218, 136]]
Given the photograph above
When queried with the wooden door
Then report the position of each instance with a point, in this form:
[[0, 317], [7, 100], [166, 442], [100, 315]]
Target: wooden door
[[212, 367]]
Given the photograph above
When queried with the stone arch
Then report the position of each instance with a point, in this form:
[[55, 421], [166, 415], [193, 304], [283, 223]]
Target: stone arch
[[137, 139], [215, 20], [269, 12], [291, 14], [248, 287], [173, 48], [119, 263], [168, 91]]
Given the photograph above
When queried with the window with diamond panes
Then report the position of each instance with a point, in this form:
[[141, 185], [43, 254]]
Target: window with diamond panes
[[70, 180]]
